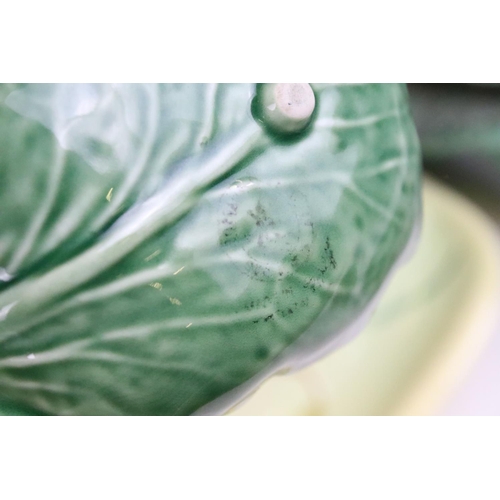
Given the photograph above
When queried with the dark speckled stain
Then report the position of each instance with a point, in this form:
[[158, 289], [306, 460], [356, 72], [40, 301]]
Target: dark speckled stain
[[244, 220], [260, 216], [234, 233], [330, 261], [329, 253]]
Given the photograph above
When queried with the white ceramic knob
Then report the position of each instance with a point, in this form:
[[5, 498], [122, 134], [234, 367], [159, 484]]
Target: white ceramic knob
[[287, 107]]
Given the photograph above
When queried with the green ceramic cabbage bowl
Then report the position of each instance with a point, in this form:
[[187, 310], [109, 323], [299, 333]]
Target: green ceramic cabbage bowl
[[166, 248]]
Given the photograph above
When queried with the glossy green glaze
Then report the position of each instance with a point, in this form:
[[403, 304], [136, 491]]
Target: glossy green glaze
[[159, 247]]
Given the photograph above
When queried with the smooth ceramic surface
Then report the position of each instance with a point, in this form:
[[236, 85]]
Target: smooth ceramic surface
[[161, 245]]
